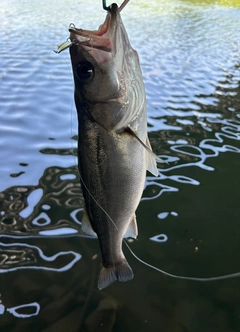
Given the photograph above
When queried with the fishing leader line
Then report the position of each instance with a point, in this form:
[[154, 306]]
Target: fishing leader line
[[227, 276]]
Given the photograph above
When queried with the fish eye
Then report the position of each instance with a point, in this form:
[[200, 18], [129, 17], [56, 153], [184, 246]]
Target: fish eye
[[85, 71]]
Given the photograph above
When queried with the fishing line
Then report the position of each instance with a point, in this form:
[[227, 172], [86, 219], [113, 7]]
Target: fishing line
[[98, 203], [71, 114], [105, 212], [227, 276]]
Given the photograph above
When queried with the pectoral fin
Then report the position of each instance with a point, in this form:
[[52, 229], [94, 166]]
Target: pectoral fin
[[151, 156], [151, 160], [86, 225], [132, 230]]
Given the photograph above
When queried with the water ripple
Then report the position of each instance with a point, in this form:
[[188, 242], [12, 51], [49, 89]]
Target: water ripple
[[191, 69], [25, 256]]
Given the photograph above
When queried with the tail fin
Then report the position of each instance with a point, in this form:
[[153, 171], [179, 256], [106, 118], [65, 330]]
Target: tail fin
[[107, 276]]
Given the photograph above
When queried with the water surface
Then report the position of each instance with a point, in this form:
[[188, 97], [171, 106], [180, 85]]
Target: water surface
[[188, 217]]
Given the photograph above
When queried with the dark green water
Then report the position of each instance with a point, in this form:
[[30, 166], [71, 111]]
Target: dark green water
[[190, 56]]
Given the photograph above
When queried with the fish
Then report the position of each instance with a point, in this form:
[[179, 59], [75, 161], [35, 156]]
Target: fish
[[114, 151]]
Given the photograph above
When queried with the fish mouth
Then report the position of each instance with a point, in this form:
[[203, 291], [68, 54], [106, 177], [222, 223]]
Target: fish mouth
[[101, 39]]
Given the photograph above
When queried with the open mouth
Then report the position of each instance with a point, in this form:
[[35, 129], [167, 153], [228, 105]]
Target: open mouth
[[98, 39], [101, 38], [94, 39]]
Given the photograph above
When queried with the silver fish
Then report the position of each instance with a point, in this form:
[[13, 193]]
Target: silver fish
[[113, 147]]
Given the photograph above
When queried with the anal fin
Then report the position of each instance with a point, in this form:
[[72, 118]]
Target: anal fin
[[86, 224], [132, 230]]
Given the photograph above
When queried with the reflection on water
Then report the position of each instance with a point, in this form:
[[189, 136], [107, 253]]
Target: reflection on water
[[198, 155], [188, 216], [15, 310], [30, 257], [46, 206]]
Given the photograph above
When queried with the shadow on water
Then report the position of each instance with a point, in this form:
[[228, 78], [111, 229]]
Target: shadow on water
[[188, 217]]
